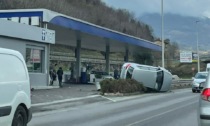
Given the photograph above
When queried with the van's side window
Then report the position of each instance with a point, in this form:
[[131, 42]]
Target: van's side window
[[12, 69]]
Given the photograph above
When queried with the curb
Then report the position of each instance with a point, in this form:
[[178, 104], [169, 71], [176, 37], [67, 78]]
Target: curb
[[43, 87], [175, 86], [122, 94], [64, 101]]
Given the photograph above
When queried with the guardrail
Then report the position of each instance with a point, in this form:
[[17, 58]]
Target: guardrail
[[182, 83]]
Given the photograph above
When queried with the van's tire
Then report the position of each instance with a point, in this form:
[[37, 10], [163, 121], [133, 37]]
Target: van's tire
[[20, 117]]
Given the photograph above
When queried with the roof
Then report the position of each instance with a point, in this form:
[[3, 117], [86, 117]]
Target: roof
[[21, 31], [11, 52], [79, 25]]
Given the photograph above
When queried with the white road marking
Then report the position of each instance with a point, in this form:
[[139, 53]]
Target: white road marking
[[108, 98], [65, 100], [160, 114], [53, 112]]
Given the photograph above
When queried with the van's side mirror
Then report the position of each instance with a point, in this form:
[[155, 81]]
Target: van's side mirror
[[193, 78]]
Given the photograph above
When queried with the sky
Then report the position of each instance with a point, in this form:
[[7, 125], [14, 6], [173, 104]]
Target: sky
[[195, 8], [179, 25]]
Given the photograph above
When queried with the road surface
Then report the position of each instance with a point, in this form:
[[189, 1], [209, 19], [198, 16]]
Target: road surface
[[177, 108]]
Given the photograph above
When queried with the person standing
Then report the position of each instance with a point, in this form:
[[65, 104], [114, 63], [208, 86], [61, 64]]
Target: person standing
[[115, 73], [52, 76], [60, 76]]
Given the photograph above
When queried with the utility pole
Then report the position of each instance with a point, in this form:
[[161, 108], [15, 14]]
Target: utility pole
[[162, 35], [198, 55]]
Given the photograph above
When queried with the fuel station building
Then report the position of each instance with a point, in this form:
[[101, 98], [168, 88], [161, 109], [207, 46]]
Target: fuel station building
[[45, 37]]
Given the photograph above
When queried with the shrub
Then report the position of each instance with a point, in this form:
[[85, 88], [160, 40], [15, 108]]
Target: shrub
[[121, 86]]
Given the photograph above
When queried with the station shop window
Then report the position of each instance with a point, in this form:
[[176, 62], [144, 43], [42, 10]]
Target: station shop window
[[34, 59]]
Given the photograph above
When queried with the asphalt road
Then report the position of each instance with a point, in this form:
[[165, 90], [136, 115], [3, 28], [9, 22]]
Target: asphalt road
[[177, 108]]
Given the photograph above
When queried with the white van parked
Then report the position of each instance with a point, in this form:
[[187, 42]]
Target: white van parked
[[15, 95]]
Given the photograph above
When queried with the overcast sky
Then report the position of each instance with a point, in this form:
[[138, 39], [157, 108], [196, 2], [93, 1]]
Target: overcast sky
[[195, 8], [181, 30]]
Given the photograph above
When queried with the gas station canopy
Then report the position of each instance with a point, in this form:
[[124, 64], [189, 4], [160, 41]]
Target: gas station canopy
[[69, 30]]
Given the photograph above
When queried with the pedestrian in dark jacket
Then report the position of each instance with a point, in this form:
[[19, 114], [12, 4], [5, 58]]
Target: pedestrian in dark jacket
[[60, 76], [52, 76], [115, 74]]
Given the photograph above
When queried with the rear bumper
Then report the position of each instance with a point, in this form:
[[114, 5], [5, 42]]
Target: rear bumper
[[205, 117], [196, 88], [29, 114], [204, 122]]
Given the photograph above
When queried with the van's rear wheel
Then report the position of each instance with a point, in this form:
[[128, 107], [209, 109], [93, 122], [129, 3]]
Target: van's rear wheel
[[20, 117]]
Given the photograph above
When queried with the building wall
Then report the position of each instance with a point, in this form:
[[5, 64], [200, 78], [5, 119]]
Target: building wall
[[36, 79], [15, 44]]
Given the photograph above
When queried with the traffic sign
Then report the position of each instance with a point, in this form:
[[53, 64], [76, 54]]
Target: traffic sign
[[186, 57]]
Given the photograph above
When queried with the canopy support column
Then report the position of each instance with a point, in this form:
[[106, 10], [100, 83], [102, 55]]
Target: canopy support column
[[107, 57], [126, 59], [78, 61]]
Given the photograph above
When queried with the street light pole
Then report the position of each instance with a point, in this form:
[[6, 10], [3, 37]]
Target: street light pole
[[162, 35], [198, 55]]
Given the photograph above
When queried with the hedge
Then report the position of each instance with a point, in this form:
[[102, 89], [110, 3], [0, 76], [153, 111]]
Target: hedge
[[121, 86]]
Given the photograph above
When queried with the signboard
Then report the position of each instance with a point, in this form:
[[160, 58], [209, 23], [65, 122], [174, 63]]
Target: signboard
[[36, 56], [194, 57], [48, 35], [186, 57]]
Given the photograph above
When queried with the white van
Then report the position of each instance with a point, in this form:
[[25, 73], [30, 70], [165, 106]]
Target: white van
[[15, 95]]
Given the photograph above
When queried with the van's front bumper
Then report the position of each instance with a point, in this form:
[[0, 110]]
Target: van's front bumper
[[29, 114]]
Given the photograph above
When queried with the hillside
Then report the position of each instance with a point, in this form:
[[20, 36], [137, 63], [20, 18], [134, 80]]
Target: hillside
[[94, 11]]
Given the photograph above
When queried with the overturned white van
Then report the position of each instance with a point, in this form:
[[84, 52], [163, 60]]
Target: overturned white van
[[156, 78]]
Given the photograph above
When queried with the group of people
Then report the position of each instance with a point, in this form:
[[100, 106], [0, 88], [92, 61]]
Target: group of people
[[54, 74]]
